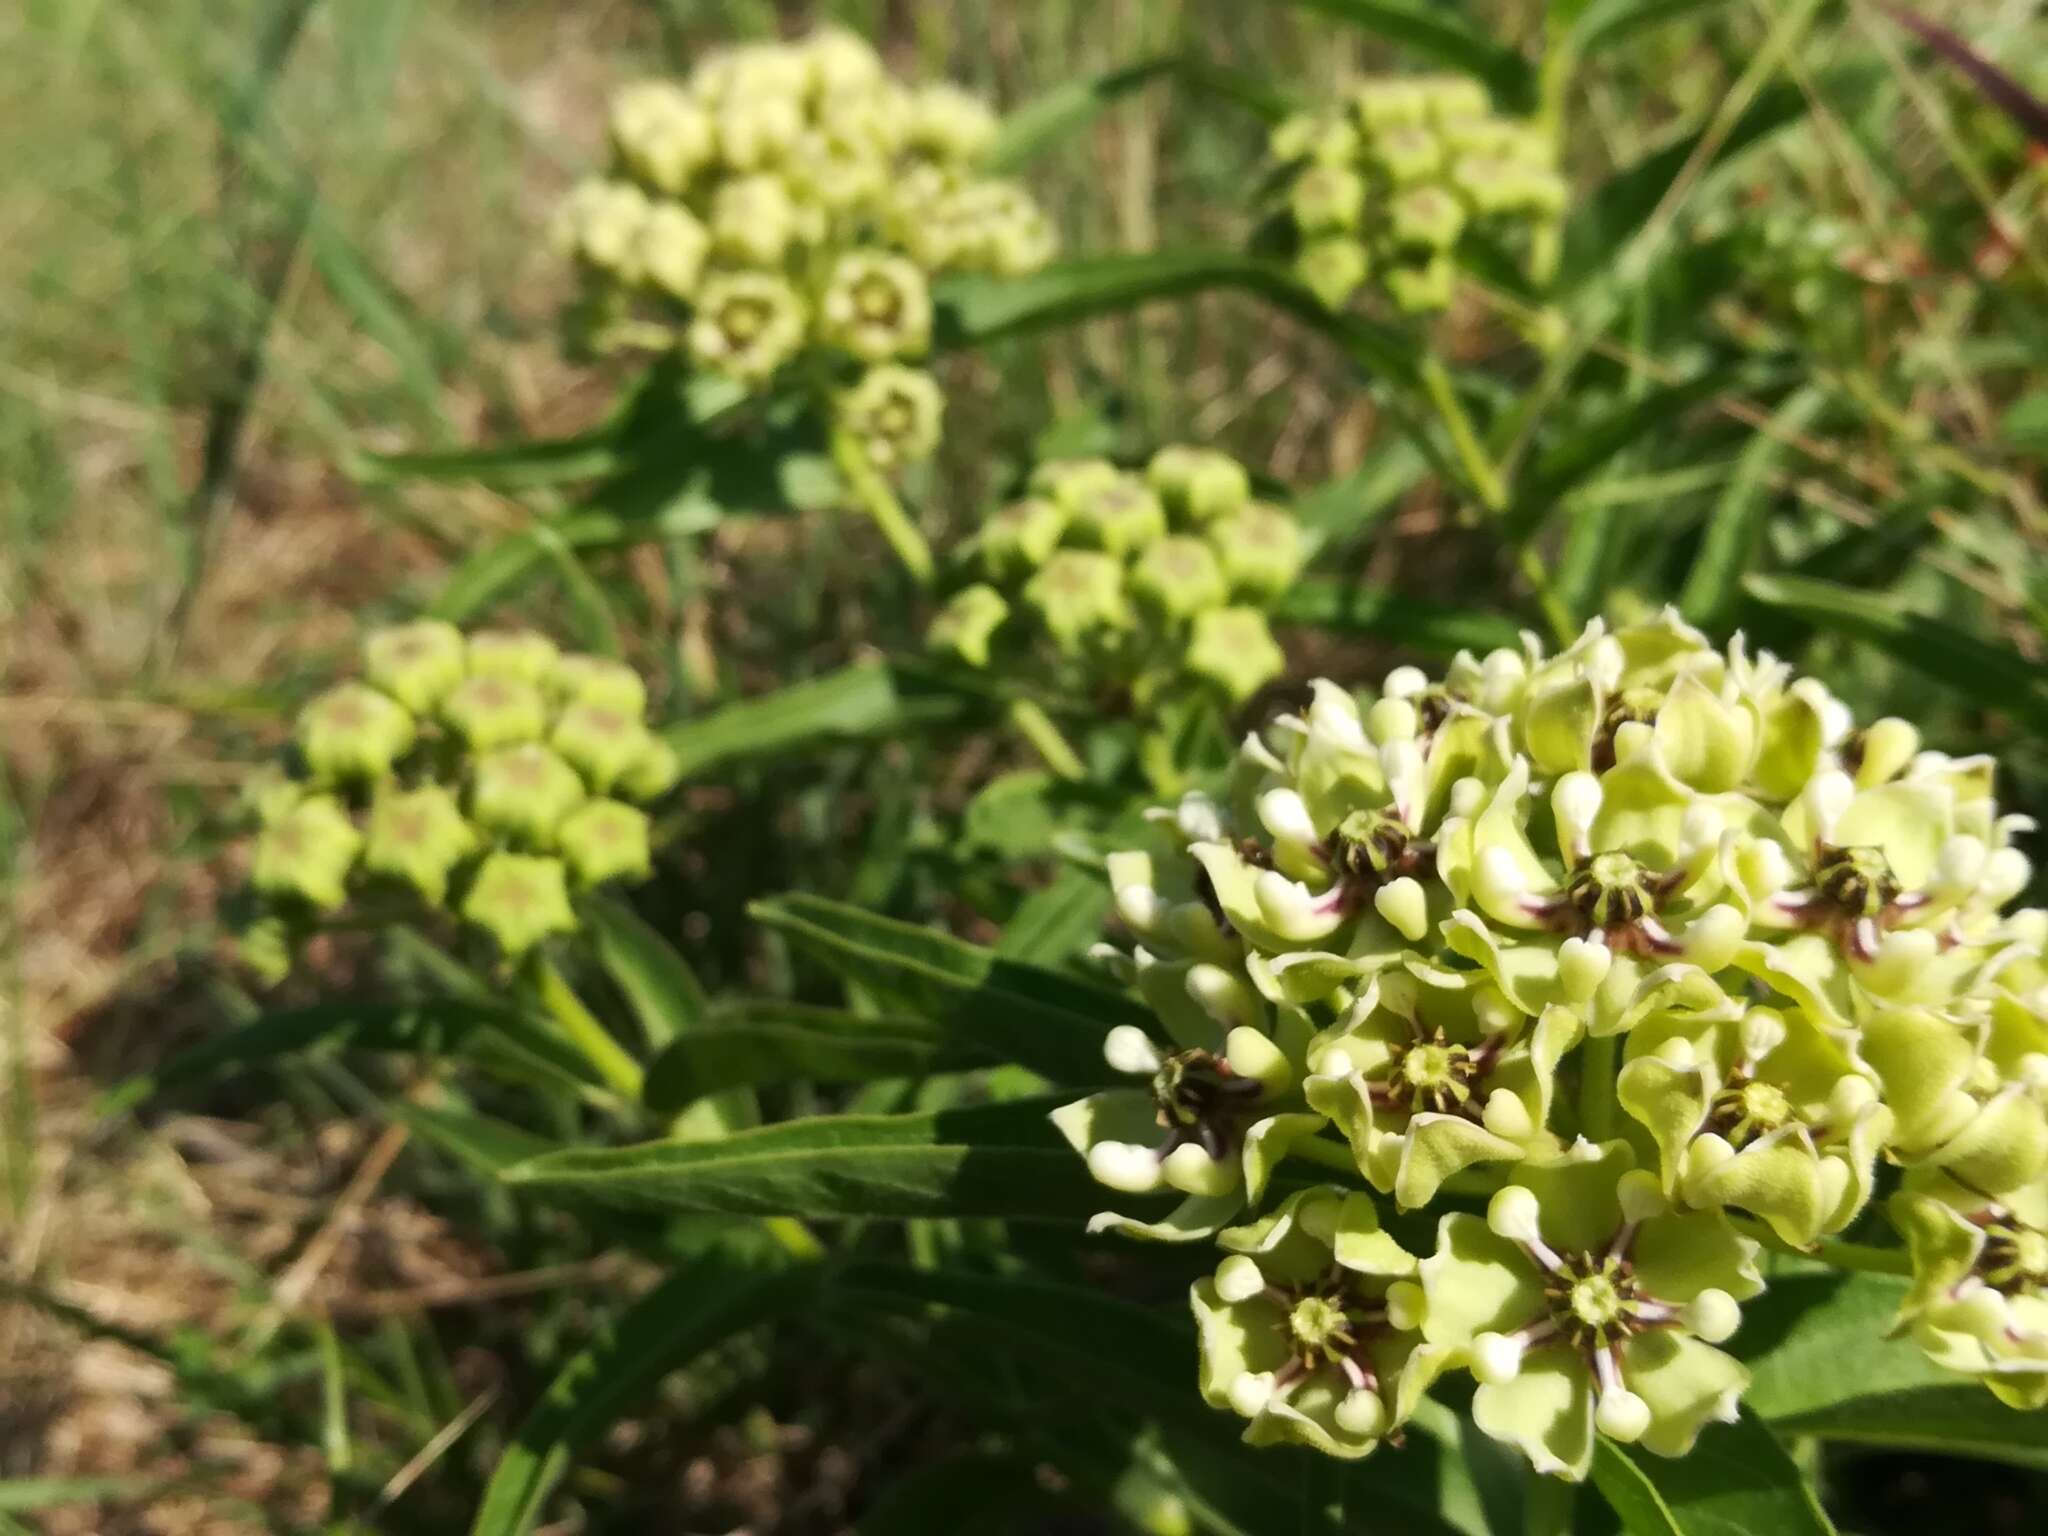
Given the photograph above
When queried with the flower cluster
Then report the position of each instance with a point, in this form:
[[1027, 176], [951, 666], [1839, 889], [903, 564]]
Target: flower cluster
[[1645, 945], [490, 776], [783, 210], [1139, 583], [1380, 188]]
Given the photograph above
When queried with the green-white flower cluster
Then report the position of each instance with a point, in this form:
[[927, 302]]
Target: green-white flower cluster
[[782, 211], [1379, 188], [1102, 579], [1646, 946], [490, 776]]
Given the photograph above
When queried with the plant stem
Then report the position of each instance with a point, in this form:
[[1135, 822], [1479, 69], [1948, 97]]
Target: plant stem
[[880, 503], [1596, 1088], [1037, 727], [617, 1068], [1486, 483], [1547, 1505], [1832, 1251]]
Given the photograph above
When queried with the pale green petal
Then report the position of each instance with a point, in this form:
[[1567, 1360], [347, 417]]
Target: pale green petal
[[1670, 1102], [1476, 1282], [1777, 1177], [1575, 1191], [1686, 1383], [1437, 1146], [1909, 822], [1546, 1413], [1236, 1339], [1196, 1217], [1944, 1244], [1685, 1252]]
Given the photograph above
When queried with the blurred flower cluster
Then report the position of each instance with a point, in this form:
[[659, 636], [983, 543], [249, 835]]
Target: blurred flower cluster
[[782, 212], [1102, 580], [1380, 189], [489, 776], [1647, 952]]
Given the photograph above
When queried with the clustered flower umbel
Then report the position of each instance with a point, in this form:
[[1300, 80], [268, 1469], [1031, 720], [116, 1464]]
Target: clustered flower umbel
[[781, 213], [1139, 582], [1379, 188], [1640, 948], [490, 776]]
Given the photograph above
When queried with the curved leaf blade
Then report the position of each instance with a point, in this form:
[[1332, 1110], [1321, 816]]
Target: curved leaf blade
[[1002, 1160], [867, 699], [1439, 33], [1713, 586], [1737, 1481], [1413, 621], [759, 1045]]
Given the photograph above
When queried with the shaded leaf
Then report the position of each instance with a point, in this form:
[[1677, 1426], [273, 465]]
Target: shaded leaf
[[1040, 1019], [1604, 23], [1003, 1160], [1436, 31], [968, 1492], [1058, 921], [1068, 107], [657, 981], [867, 699], [756, 1045], [1412, 621], [1713, 586], [1737, 1481], [505, 466]]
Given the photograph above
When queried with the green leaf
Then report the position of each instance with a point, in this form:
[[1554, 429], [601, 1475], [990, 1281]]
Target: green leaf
[[2025, 423], [1040, 1019], [1435, 30], [1058, 921], [1069, 107], [481, 1142], [977, 309], [1821, 1364], [2000, 680], [1604, 23], [759, 1045], [973, 1491], [512, 1042], [867, 699], [504, 466], [1713, 585], [657, 981], [1342, 510], [494, 572], [688, 1313], [1737, 1481], [1003, 1160], [1413, 621]]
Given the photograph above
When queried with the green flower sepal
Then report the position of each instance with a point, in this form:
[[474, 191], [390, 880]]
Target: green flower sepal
[[1769, 1115], [519, 900], [1979, 1300], [1584, 1302], [1426, 1080], [1211, 1124], [1309, 1328]]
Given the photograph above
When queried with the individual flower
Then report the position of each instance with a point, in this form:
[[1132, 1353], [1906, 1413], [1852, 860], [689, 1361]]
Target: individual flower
[[418, 836], [600, 226], [494, 710], [966, 626], [672, 249], [747, 324], [1078, 596], [605, 840], [1768, 1114], [1260, 549], [519, 900], [353, 732], [1234, 649], [663, 137], [417, 664], [895, 414], [523, 793], [307, 853], [1121, 516], [1211, 1124], [601, 681], [1333, 268], [515, 653], [1198, 485], [1179, 577], [1979, 1299], [1017, 540], [601, 741], [1308, 1328], [1584, 1302], [877, 306]]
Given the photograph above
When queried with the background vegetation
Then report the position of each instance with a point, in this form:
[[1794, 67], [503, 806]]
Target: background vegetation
[[247, 244]]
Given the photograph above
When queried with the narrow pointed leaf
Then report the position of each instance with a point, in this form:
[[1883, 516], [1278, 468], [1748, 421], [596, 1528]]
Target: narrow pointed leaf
[[1414, 621], [1713, 586], [1435, 30], [1737, 1481], [867, 699], [759, 1045]]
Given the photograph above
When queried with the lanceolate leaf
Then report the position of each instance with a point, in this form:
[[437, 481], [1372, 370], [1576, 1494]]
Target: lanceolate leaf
[[1822, 1364], [1737, 1481], [664, 992], [505, 467], [1040, 1019], [867, 699], [1998, 679], [1435, 30], [759, 1045], [1413, 621], [971, 1492], [1713, 586], [1069, 107], [1058, 922], [484, 1143], [495, 571], [1003, 1160], [694, 1310], [1604, 23]]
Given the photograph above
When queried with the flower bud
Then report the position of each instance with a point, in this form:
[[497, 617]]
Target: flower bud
[[1260, 551], [519, 900], [1234, 649], [1332, 268], [494, 711], [653, 773], [599, 225], [895, 412], [1407, 156], [1120, 517], [599, 680], [672, 249], [968, 623], [1017, 540], [604, 840], [663, 137], [949, 124], [1426, 219], [1422, 290], [1198, 484], [1077, 595], [307, 853], [417, 837], [415, 663], [1178, 577], [602, 743], [1072, 483], [352, 733], [757, 130], [517, 653], [524, 792], [1327, 199], [747, 325], [876, 307]]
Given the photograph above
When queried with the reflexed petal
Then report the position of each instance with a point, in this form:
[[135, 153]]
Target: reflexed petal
[[1545, 1412]]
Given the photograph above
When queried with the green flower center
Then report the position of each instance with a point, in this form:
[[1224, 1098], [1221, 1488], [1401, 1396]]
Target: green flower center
[[1316, 1322], [743, 319], [1430, 1074], [1610, 890], [877, 300], [1200, 1099], [1329, 1321], [1856, 881], [1372, 847], [1595, 1300]]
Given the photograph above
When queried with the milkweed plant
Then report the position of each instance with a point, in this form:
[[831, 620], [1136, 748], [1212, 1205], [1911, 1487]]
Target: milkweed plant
[[1617, 967]]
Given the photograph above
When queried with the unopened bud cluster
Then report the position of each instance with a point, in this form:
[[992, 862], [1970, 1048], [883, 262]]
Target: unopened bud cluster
[[1641, 948], [490, 776], [1142, 583], [782, 211], [1380, 188]]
